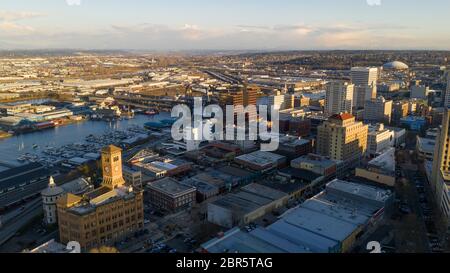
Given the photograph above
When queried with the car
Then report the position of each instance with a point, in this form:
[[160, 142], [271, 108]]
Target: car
[[172, 251], [405, 210]]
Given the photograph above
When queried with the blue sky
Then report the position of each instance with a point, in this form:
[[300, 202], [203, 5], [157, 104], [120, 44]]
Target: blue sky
[[225, 24]]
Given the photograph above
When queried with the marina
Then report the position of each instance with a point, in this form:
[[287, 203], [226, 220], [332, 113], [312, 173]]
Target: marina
[[79, 140]]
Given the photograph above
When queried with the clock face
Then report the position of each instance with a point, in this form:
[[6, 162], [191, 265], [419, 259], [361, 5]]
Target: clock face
[[116, 168], [106, 170]]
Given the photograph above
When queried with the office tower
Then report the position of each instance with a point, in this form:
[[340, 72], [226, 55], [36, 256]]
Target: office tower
[[400, 109], [419, 92], [363, 94], [282, 101], [440, 178], [378, 110], [446, 96], [343, 139], [239, 95], [339, 98], [105, 215], [364, 76]]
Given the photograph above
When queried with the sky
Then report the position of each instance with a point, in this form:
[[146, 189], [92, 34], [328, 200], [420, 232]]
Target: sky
[[167, 25]]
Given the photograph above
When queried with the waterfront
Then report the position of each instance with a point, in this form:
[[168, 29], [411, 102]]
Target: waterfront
[[34, 143]]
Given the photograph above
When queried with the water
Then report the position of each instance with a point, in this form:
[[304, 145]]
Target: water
[[13, 147]]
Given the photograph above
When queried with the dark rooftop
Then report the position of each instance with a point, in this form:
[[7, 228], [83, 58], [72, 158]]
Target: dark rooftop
[[16, 176]]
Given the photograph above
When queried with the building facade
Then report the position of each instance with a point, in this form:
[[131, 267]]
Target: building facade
[[440, 178], [363, 94], [339, 98], [378, 110], [342, 138], [169, 195], [364, 76]]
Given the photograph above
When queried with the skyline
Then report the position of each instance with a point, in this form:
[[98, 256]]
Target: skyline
[[223, 25]]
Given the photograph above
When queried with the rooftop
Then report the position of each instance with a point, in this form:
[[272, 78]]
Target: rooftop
[[170, 186]]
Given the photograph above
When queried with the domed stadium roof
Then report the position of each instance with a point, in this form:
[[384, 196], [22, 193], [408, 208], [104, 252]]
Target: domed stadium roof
[[396, 65]]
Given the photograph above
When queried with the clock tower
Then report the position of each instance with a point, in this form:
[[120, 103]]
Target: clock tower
[[112, 167]]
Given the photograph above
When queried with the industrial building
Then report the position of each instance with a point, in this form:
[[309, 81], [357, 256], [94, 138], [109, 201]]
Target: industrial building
[[330, 222], [261, 161], [250, 203]]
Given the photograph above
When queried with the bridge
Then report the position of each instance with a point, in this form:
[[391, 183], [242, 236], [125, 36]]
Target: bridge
[[145, 102]]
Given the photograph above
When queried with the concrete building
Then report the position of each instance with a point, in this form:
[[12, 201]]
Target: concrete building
[[330, 222], [281, 101], [293, 147], [339, 98], [419, 92], [105, 215], [425, 148], [170, 195], [261, 161], [378, 110], [250, 203], [132, 177], [363, 94], [380, 169], [413, 123], [400, 109], [316, 164], [364, 76], [447, 92], [342, 138], [440, 178], [379, 139]]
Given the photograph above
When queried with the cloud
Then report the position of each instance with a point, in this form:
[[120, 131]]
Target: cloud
[[187, 36], [18, 15], [10, 26]]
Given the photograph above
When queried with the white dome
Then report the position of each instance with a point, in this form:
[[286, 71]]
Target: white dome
[[396, 65]]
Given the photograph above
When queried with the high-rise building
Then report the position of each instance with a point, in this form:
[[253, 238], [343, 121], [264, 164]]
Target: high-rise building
[[343, 139], [282, 101], [363, 94], [339, 98], [440, 178], [447, 92], [400, 109], [105, 215], [378, 110], [364, 76], [240, 95]]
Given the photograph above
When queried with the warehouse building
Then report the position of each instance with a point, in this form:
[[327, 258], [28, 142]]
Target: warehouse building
[[250, 203], [20, 183], [330, 222], [261, 161]]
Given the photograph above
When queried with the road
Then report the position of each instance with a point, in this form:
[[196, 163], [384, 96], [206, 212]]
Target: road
[[15, 224], [5, 218], [411, 232]]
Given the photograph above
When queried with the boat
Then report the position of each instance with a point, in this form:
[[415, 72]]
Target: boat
[[35, 146], [151, 112]]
